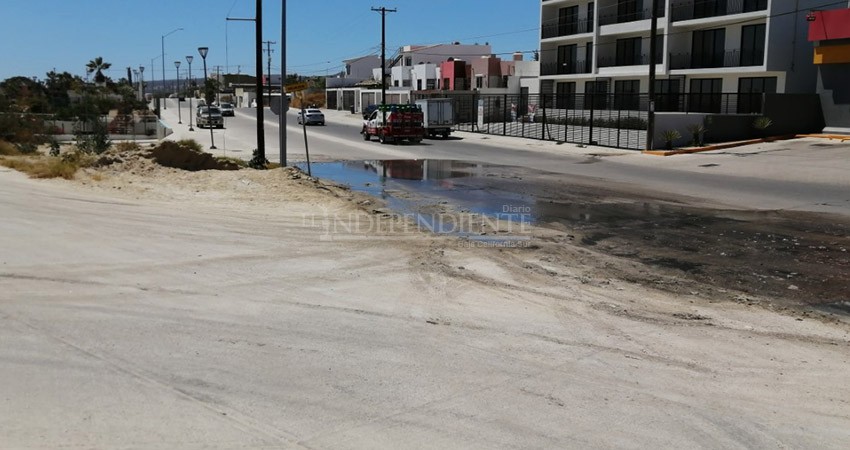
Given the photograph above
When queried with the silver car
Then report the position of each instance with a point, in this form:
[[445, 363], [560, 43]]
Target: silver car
[[226, 109], [209, 117], [311, 116]]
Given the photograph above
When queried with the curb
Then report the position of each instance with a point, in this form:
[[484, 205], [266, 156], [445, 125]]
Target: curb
[[726, 145]]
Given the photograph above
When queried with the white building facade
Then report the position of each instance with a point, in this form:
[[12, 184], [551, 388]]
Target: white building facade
[[705, 48]]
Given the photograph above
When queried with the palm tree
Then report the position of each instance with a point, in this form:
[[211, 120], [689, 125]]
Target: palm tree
[[98, 65]]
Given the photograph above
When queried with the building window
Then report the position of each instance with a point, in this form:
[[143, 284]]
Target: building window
[[589, 20], [567, 59], [752, 45], [709, 8], [418, 85], [667, 94], [628, 52], [750, 93], [708, 48], [567, 21], [479, 81], [395, 83], [565, 95], [596, 94], [629, 10], [430, 84], [706, 95], [348, 69], [755, 5], [405, 83], [627, 94], [408, 60], [588, 57]]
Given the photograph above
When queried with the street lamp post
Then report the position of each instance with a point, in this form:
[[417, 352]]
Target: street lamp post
[[189, 59], [142, 82], [203, 52], [179, 114], [163, 59]]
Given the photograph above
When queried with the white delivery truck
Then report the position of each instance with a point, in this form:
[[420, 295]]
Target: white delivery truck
[[438, 116]]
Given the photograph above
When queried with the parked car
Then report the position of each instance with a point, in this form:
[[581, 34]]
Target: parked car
[[209, 117], [226, 109], [311, 115]]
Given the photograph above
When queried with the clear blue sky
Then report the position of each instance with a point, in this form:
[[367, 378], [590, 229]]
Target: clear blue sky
[[37, 36]]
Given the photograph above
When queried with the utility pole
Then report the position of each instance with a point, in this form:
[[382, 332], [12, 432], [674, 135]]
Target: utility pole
[[258, 85], [384, 12], [258, 24], [269, 52], [281, 118], [653, 45]]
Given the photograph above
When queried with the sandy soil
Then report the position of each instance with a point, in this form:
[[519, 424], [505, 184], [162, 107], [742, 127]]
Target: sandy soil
[[709, 365]]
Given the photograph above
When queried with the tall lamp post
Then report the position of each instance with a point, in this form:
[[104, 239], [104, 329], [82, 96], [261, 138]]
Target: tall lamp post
[[179, 114], [142, 82], [189, 59], [163, 59], [203, 52]]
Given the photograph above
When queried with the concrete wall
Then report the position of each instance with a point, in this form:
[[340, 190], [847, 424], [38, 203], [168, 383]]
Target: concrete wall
[[788, 48]]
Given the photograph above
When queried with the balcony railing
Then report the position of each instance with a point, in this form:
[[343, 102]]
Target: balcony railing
[[644, 14], [699, 9], [566, 29], [640, 60], [731, 58], [565, 68]]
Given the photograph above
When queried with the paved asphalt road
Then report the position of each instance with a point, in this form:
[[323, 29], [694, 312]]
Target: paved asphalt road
[[808, 174]]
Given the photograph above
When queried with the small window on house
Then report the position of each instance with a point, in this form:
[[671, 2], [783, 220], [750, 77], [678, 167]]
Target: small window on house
[[479, 82], [408, 60], [430, 84], [348, 69]]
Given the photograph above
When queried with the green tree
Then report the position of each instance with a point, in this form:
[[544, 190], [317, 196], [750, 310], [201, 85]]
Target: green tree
[[211, 87], [98, 65]]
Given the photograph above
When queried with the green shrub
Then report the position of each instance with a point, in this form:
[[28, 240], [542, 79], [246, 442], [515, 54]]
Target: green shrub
[[257, 162], [669, 137], [96, 141]]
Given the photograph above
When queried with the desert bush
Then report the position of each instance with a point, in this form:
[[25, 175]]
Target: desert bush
[[96, 141], [669, 137], [229, 160], [54, 146], [8, 149], [190, 144], [26, 148], [258, 162]]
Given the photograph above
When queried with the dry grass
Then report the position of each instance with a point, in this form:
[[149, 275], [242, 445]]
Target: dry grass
[[42, 166], [8, 149]]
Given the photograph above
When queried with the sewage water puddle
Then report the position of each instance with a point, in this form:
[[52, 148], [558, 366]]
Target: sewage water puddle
[[801, 258]]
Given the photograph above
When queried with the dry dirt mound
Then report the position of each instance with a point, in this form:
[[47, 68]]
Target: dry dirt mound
[[172, 154], [166, 154]]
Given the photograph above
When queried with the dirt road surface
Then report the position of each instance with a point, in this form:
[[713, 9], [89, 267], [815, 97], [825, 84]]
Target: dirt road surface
[[155, 308]]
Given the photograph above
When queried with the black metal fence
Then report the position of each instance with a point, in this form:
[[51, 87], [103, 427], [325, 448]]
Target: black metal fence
[[608, 120], [593, 119]]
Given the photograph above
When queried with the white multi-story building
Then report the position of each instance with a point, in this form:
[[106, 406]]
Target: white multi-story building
[[704, 48]]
